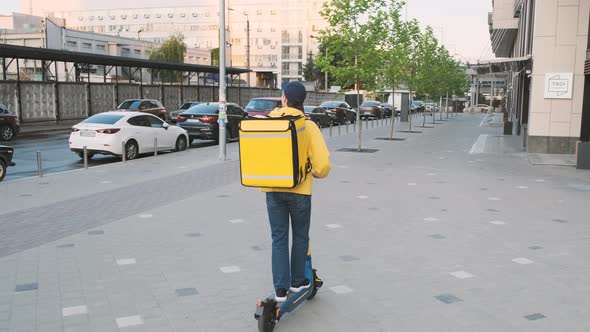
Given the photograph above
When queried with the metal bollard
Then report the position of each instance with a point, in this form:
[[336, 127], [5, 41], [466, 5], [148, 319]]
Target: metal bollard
[[331, 129], [339, 125], [155, 147], [373, 122], [123, 152], [39, 164], [85, 157], [366, 123], [347, 128]]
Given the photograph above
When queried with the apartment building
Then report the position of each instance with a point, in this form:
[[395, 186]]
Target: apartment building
[[543, 46], [36, 31], [279, 32]]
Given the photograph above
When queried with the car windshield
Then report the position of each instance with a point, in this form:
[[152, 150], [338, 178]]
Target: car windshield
[[416, 102], [104, 118], [330, 104], [186, 106], [262, 104], [370, 103], [129, 104], [212, 108], [308, 109], [386, 105]]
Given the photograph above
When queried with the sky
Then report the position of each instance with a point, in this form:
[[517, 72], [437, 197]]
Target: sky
[[460, 24]]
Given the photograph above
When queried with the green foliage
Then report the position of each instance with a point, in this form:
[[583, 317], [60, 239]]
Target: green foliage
[[311, 72], [172, 50], [215, 57], [351, 41], [389, 51]]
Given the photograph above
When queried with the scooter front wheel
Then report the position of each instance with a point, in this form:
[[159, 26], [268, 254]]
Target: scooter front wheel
[[266, 321]]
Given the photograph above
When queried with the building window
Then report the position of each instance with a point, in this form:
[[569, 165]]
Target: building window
[[259, 12], [272, 29], [273, 12], [100, 18], [182, 14], [171, 15], [70, 43], [112, 17], [138, 52], [86, 45], [195, 15], [123, 17], [90, 18], [100, 47], [135, 16], [80, 18], [125, 50], [158, 15], [146, 15]]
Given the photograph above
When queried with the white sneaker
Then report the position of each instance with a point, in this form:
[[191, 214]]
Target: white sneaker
[[298, 288], [283, 298]]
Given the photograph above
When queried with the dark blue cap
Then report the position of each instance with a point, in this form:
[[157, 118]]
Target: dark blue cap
[[294, 92]]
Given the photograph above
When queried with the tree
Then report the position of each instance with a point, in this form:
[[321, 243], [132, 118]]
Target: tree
[[396, 46], [311, 72], [172, 50], [353, 34]]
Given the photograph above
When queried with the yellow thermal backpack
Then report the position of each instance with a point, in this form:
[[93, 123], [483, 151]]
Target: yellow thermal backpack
[[273, 152]]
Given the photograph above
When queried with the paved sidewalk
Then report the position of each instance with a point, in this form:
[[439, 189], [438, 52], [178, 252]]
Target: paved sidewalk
[[419, 236]]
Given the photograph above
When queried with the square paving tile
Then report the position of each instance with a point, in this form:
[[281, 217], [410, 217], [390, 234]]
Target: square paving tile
[[126, 261], [448, 298], [26, 287], [534, 316], [437, 236], [97, 232], [196, 234], [67, 245], [230, 269], [72, 311], [462, 275], [348, 258], [186, 292], [535, 247], [341, 289], [129, 321], [522, 260]]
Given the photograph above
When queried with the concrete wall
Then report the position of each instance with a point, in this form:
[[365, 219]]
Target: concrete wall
[[47, 101], [559, 46]]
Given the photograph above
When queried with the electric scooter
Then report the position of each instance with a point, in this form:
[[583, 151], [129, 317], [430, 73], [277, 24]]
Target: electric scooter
[[269, 312]]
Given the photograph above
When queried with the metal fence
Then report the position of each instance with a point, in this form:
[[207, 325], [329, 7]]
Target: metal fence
[[50, 101]]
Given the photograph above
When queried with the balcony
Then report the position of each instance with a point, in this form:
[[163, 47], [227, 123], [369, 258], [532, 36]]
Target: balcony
[[504, 26], [517, 9]]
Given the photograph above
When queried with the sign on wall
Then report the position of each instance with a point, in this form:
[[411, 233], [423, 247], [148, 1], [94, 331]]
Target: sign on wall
[[559, 85]]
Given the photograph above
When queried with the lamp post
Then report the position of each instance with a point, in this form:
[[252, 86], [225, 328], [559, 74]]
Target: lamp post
[[222, 97], [247, 42]]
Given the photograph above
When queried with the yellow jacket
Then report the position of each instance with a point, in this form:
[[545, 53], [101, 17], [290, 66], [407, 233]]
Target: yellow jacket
[[317, 151]]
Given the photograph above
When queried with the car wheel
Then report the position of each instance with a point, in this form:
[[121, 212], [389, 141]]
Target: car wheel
[[131, 150], [81, 155], [2, 170], [6, 133], [181, 143]]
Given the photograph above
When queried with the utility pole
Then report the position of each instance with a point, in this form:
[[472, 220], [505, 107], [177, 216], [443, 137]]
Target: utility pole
[[222, 100]]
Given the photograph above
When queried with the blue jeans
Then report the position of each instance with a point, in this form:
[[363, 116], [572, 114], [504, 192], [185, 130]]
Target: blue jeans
[[280, 206]]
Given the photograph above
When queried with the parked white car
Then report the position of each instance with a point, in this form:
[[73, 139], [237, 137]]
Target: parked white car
[[106, 133]]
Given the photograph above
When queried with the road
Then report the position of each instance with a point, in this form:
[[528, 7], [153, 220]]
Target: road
[[56, 156]]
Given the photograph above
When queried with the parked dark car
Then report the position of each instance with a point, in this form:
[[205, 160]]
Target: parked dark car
[[340, 111], [263, 105], [200, 121], [9, 124], [419, 106], [387, 110], [318, 115], [371, 109], [151, 106], [182, 108], [6, 153]]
